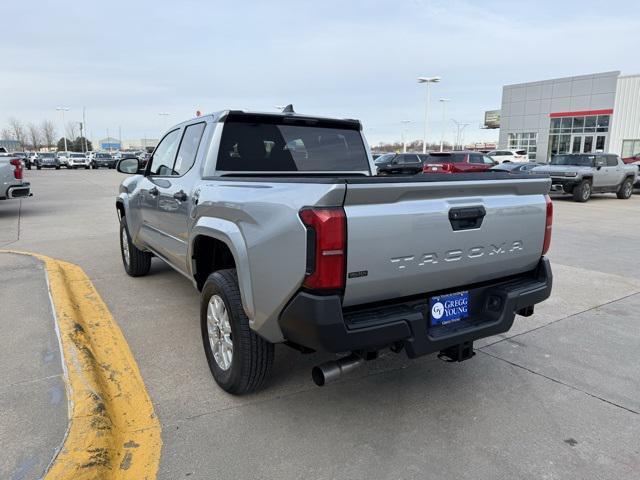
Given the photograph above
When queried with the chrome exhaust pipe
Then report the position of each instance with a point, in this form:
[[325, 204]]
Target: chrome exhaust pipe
[[331, 371]]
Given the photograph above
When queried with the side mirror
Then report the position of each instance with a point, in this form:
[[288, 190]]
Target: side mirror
[[130, 166], [598, 167]]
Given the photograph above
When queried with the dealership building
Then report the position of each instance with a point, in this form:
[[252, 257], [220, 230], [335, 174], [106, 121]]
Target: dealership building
[[583, 114]]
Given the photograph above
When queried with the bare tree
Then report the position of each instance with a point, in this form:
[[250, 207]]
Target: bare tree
[[18, 131], [34, 135], [48, 133], [5, 134], [72, 130]]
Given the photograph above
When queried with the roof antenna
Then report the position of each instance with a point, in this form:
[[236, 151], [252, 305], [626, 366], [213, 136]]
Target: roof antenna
[[288, 109]]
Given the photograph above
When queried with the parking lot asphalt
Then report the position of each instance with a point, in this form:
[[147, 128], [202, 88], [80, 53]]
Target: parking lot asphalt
[[556, 397]]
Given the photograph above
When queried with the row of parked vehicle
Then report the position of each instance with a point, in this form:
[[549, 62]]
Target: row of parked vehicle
[[75, 160], [579, 175]]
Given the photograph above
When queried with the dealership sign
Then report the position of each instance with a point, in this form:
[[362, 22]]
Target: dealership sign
[[492, 119]]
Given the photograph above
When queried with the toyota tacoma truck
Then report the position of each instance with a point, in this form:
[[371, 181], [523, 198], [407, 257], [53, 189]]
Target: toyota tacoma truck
[[12, 183], [581, 174], [281, 224]]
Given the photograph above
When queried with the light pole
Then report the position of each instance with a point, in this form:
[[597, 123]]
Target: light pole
[[404, 138], [164, 116], [444, 116], [428, 81], [64, 134]]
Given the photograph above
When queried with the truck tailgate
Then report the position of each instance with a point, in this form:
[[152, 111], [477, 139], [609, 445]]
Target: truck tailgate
[[401, 240]]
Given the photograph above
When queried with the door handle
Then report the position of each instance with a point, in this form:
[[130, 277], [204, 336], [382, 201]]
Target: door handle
[[153, 192], [180, 196]]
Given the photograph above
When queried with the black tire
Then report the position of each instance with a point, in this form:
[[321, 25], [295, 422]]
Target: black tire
[[38, 168], [58, 167], [138, 262], [87, 167], [582, 191], [252, 355], [626, 189]]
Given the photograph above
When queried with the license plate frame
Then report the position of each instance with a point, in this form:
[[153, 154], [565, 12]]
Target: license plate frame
[[448, 308]]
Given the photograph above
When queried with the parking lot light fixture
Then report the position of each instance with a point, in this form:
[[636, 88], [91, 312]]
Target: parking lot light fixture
[[444, 120], [428, 81], [64, 134]]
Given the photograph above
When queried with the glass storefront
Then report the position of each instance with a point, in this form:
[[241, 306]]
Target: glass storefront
[[524, 141], [583, 134]]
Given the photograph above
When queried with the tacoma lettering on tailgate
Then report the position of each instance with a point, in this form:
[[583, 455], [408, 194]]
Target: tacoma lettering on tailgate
[[456, 255]]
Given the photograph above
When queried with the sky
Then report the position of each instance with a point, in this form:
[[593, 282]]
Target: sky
[[127, 61]]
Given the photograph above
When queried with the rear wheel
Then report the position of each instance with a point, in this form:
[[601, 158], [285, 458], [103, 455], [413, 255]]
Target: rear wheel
[[239, 359], [38, 168], [582, 191], [136, 262], [58, 167], [625, 190]]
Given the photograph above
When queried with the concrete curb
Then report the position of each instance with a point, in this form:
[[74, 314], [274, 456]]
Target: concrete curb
[[113, 431]]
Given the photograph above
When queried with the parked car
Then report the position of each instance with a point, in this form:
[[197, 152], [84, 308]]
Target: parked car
[[76, 160], [12, 183], [255, 210], [101, 160], [502, 156], [144, 158], [512, 167], [24, 156], [637, 164], [47, 160], [400, 163], [457, 162], [581, 174], [63, 158]]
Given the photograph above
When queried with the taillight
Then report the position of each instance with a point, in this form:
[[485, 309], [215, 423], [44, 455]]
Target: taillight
[[326, 247], [16, 162], [447, 167], [548, 224]]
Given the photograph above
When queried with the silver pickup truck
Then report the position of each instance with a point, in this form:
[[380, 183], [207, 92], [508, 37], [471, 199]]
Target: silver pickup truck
[[581, 174], [12, 183], [279, 222]]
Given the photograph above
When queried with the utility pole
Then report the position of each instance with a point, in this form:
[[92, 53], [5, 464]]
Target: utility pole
[[404, 131], [64, 133], [84, 137], [459, 131], [444, 116], [120, 136]]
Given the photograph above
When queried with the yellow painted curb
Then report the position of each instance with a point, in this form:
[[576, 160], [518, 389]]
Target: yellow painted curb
[[113, 431]]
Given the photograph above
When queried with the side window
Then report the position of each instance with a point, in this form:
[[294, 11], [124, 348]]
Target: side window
[[165, 154], [188, 148], [423, 157], [488, 160], [408, 159], [600, 162], [612, 161], [475, 158]]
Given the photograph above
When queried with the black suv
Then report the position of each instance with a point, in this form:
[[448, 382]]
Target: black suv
[[400, 163]]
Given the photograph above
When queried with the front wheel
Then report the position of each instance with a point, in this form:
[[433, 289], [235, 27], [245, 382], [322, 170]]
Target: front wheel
[[38, 168], [582, 191], [239, 359], [625, 190], [136, 262]]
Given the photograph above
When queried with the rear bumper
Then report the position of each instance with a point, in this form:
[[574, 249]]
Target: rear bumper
[[19, 191], [320, 323]]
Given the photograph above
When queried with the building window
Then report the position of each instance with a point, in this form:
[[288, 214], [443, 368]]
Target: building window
[[630, 148], [524, 141], [583, 124]]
